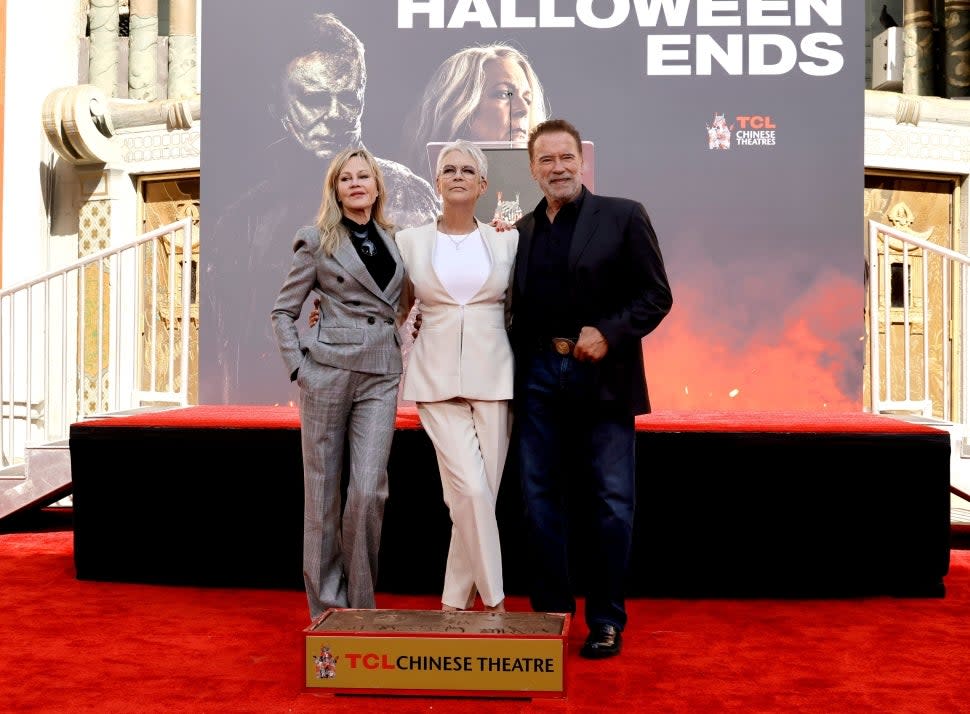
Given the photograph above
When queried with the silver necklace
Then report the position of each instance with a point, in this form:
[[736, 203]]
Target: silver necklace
[[457, 242], [367, 246]]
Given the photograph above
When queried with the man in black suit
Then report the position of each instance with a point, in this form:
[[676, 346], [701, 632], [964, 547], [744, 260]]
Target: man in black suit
[[589, 284]]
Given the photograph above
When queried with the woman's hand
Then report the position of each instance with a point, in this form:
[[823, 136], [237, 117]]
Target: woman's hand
[[315, 312], [416, 325], [500, 225]]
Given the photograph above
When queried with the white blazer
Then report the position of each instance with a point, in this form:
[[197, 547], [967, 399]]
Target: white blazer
[[460, 350]]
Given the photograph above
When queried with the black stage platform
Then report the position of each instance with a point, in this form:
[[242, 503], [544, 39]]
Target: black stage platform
[[730, 505]]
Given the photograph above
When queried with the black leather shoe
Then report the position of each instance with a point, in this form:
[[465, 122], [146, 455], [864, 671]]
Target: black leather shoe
[[602, 641]]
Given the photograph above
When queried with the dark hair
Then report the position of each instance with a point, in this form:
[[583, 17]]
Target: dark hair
[[552, 125], [322, 33]]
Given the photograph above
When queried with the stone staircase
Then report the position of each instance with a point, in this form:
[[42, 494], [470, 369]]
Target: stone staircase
[[44, 478]]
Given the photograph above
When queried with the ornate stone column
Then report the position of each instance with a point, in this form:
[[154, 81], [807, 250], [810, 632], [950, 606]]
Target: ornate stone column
[[918, 47], [103, 47], [182, 64], [957, 46], [142, 50]]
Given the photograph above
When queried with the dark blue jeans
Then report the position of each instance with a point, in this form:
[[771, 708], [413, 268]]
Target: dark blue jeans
[[565, 433]]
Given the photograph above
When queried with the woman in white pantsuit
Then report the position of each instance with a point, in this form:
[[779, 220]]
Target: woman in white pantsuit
[[348, 370], [460, 367]]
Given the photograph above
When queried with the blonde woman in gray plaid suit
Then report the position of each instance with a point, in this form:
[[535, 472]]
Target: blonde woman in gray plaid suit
[[348, 369]]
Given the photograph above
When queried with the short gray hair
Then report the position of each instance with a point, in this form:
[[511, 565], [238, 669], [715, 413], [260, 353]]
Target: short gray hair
[[467, 147]]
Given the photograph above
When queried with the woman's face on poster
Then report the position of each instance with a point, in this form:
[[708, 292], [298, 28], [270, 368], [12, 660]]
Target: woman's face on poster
[[504, 112]]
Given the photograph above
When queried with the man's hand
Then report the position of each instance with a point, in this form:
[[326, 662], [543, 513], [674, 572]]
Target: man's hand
[[315, 312], [591, 345]]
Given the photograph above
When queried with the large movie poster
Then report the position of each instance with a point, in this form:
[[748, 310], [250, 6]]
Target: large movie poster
[[737, 123]]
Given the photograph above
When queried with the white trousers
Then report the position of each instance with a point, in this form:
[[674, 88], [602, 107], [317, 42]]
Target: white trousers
[[471, 440]]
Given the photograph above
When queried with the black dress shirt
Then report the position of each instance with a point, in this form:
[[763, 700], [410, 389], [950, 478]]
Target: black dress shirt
[[550, 310], [372, 251]]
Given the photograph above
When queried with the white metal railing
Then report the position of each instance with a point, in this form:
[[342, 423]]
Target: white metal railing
[[887, 349], [87, 338]]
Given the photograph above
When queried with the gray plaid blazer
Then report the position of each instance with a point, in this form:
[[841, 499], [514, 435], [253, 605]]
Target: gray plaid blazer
[[357, 329]]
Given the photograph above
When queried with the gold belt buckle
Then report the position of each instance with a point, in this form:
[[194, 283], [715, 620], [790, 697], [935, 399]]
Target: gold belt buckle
[[563, 346]]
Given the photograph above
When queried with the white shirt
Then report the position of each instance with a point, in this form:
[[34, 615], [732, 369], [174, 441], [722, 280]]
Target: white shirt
[[462, 264]]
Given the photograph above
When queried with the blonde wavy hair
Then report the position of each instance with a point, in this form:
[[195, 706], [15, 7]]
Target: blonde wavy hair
[[330, 213], [453, 94]]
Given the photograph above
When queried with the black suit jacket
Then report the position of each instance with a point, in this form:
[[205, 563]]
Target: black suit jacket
[[618, 281]]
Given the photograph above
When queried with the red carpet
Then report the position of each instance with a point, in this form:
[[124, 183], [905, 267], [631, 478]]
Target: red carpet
[[83, 646], [251, 416]]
